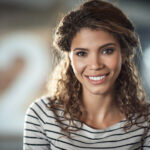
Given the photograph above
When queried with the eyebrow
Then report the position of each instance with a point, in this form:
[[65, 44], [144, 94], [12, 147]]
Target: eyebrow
[[103, 46]]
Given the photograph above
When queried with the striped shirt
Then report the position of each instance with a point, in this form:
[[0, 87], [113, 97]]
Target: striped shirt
[[41, 132]]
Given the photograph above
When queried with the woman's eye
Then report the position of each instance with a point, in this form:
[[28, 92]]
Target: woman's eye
[[81, 53], [108, 51]]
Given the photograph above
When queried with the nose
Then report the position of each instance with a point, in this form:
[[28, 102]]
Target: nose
[[96, 62]]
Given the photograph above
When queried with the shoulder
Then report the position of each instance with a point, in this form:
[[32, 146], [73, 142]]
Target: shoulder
[[40, 103], [39, 109], [143, 118]]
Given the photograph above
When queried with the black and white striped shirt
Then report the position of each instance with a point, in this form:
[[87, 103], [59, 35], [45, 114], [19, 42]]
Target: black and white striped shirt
[[41, 132]]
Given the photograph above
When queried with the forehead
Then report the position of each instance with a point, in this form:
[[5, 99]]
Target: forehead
[[88, 37]]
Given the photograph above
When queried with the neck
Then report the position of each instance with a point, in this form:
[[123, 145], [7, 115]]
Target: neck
[[99, 107]]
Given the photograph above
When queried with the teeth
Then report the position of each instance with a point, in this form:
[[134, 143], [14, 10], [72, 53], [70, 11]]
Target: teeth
[[97, 78]]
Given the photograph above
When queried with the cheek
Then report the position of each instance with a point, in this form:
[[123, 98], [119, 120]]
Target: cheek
[[115, 63], [78, 66]]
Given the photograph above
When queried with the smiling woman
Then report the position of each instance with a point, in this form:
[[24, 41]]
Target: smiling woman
[[97, 101]]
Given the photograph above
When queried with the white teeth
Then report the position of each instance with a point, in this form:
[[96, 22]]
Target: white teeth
[[97, 78]]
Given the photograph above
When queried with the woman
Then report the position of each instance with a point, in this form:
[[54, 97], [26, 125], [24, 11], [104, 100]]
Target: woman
[[97, 101]]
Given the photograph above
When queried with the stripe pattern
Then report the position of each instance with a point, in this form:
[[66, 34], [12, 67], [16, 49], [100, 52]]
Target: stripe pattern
[[41, 132]]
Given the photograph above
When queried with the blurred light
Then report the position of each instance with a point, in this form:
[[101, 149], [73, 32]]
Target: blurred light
[[33, 3], [37, 66], [146, 66]]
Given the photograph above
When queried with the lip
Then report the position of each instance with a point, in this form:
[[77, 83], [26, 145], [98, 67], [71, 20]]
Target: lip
[[94, 82], [104, 74]]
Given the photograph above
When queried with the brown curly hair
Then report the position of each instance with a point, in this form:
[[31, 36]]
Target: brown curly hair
[[98, 15]]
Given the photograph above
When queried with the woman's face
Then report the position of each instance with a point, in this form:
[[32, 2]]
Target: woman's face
[[96, 60]]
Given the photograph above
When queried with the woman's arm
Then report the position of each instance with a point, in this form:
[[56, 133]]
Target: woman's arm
[[34, 134]]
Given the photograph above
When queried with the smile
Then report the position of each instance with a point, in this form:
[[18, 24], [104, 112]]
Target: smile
[[97, 78]]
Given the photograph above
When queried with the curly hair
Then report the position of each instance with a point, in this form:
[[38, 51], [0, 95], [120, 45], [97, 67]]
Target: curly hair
[[98, 15]]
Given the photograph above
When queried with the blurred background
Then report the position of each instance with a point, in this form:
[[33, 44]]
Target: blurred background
[[26, 33]]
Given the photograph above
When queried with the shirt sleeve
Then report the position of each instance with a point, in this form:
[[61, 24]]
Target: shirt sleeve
[[34, 134], [146, 145]]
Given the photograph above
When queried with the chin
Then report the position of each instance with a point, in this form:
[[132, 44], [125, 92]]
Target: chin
[[99, 92]]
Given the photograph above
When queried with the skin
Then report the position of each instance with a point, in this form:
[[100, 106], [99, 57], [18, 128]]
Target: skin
[[96, 53]]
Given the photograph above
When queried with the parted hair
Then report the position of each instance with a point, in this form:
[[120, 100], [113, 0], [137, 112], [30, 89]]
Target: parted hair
[[130, 97]]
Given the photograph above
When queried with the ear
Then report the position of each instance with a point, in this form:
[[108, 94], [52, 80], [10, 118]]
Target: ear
[[70, 56]]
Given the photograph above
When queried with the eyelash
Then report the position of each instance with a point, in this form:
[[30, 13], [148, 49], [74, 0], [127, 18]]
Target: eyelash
[[107, 51], [81, 53]]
